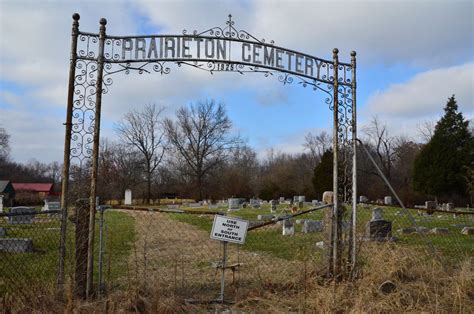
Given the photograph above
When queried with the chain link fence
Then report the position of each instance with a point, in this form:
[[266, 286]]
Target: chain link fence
[[166, 254]]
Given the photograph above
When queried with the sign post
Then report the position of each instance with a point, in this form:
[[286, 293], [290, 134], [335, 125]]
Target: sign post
[[228, 229]]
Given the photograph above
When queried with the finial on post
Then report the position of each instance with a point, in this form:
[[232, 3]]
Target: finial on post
[[76, 16], [103, 21], [353, 53]]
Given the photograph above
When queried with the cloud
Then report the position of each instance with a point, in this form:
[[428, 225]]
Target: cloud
[[426, 93]]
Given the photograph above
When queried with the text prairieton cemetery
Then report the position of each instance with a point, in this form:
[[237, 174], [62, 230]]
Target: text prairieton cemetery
[[191, 48]]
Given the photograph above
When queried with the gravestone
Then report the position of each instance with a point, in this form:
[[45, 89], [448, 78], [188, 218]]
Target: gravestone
[[24, 215], [387, 200], [45, 206], [254, 203], [310, 226], [288, 228], [213, 206], [377, 228], [439, 231], [3, 232], [1, 203], [300, 221], [301, 200], [273, 206], [467, 231], [363, 199], [282, 199], [265, 217], [16, 245], [328, 197], [233, 204], [315, 203], [128, 197], [431, 204]]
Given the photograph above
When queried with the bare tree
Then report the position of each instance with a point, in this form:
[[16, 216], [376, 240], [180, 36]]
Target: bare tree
[[426, 130], [141, 130], [4, 143], [317, 144], [201, 139], [382, 144]]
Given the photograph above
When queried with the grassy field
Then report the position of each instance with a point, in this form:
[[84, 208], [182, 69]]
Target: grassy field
[[39, 268]]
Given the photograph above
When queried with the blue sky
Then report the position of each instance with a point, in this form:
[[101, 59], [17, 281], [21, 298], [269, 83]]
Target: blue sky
[[412, 56]]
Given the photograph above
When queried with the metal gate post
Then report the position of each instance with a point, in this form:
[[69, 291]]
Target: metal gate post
[[95, 156], [353, 248], [67, 151], [335, 260]]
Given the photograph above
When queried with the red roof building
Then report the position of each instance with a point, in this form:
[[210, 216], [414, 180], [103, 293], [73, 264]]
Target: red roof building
[[43, 189]]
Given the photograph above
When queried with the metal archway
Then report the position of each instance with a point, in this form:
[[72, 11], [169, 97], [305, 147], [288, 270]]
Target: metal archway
[[95, 57]]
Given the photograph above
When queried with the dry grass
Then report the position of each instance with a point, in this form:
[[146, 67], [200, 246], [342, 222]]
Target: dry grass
[[159, 277]]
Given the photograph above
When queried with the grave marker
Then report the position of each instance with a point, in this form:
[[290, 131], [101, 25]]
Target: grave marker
[[128, 197]]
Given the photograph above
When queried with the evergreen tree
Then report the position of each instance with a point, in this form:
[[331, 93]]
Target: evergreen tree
[[440, 166], [323, 173]]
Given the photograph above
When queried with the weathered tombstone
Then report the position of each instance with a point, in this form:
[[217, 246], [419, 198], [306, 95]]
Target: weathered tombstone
[[439, 231], [282, 199], [387, 200], [310, 226], [273, 206], [467, 231], [363, 199], [233, 204], [1, 203], [301, 200], [377, 228], [128, 197], [24, 215], [314, 202], [328, 197], [265, 217], [288, 227], [3, 232], [254, 203], [431, 204], [16, 245]]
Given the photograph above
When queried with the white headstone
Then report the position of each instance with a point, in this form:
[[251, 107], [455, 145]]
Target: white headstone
[[387, 200], [301, 198], [233, 204], [46, 205], [377, 214], [288, 227], [363, 199], [1, 203], [282, 199], [128, 197]]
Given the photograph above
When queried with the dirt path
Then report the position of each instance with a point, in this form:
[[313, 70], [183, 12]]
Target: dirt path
[[178, 257]]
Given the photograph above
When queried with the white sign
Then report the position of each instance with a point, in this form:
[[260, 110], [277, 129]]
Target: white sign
[[229, 229]]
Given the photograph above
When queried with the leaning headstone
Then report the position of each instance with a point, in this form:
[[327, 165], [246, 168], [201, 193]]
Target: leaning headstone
[[310, 226], [288, 228], [234, 204], [3, 232], [439, 231], [16, 245], [387, 200], [363, 199], [128, 197], [328, 197], [1, 203], [377, 228], [467, 231], [24, 215]]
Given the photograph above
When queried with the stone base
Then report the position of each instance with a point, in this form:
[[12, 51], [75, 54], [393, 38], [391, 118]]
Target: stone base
[[379, 230], [16, 245]]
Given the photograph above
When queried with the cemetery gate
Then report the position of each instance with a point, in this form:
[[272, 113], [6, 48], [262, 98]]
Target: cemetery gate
[[97, 57]]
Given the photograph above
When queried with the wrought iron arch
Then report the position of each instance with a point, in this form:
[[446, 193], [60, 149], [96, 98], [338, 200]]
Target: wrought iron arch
[[96, 57]]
